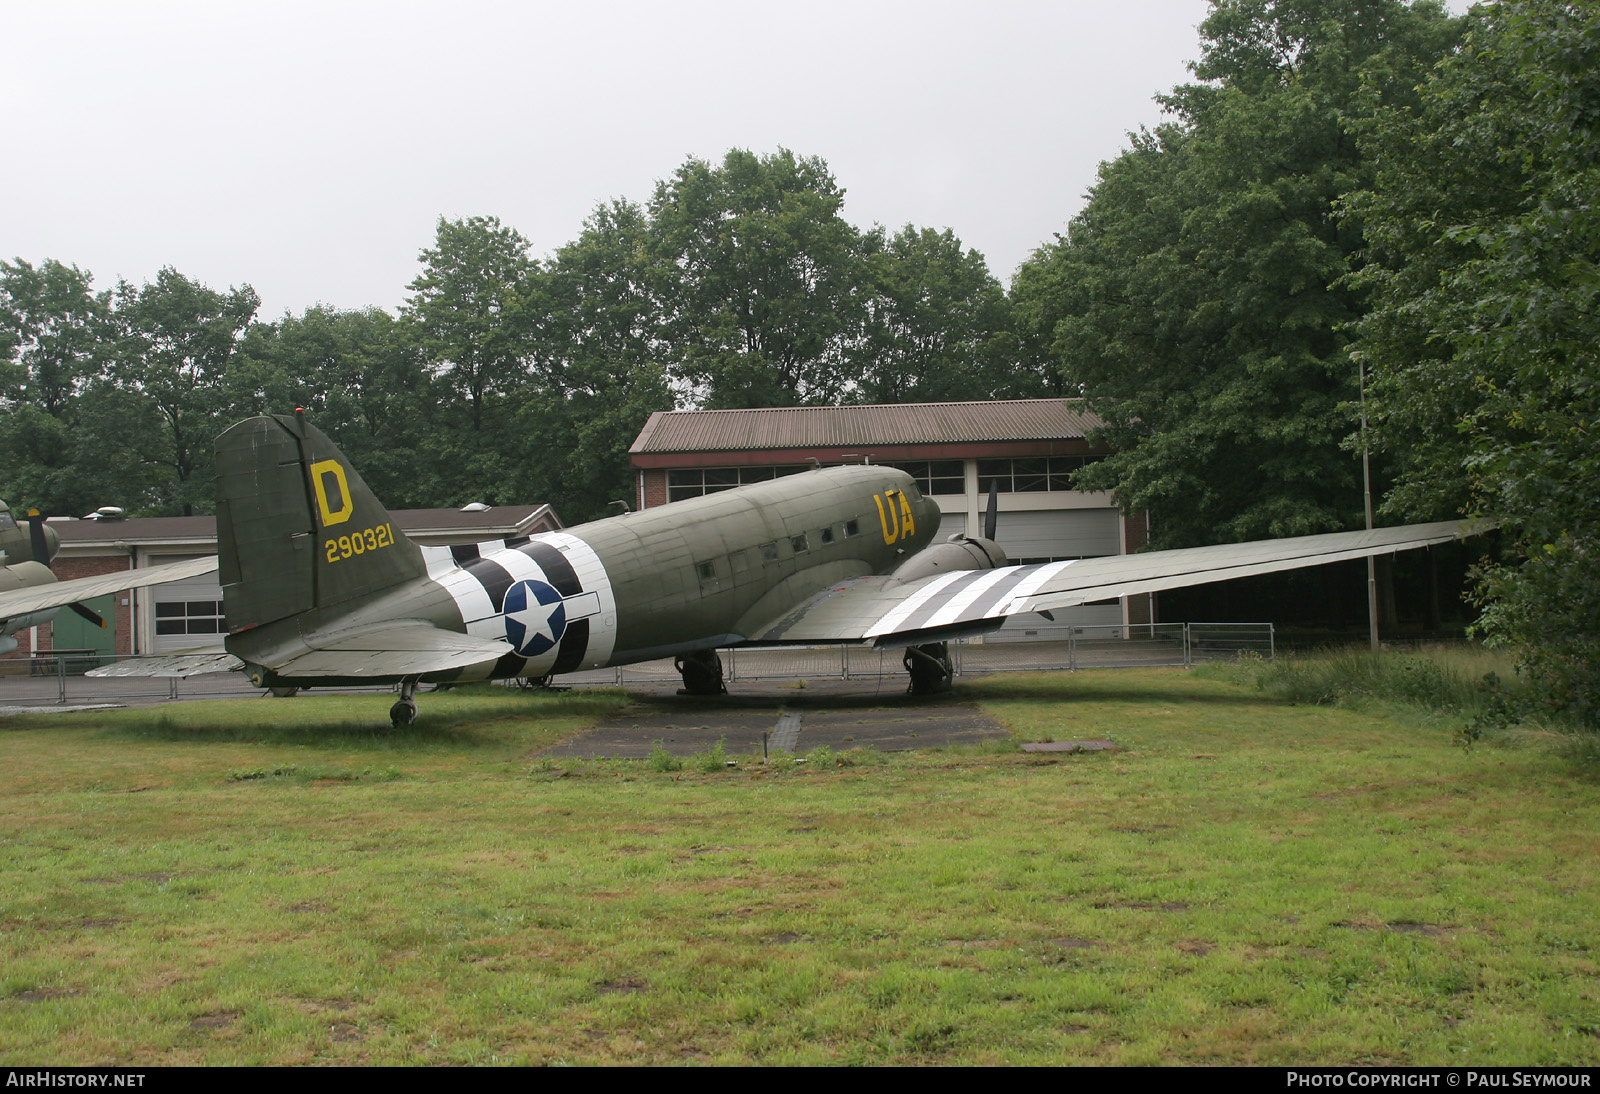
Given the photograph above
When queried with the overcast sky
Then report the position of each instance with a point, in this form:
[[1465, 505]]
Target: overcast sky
[[308, 149]]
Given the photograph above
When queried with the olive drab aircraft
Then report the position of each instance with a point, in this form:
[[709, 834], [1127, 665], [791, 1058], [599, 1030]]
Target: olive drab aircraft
[[29, 592], [320, 589]]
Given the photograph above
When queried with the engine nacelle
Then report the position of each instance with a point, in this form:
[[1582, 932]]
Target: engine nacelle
[[957, 553]]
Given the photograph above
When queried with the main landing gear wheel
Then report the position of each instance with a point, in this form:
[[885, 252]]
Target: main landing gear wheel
[[404, 712], [702, 673], [930, 667]]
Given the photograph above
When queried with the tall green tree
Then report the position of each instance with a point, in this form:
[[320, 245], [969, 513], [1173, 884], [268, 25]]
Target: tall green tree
[[474, 314], [55, 343], [177, 340], [759, 278], [605, 375], [937, 326], [1199, 300], [468, 312], [362, 380], [1484, 337]]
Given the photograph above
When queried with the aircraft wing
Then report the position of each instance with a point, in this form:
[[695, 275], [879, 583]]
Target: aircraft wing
[[56, 594], [404, 647], [196, 663], [965, 602]]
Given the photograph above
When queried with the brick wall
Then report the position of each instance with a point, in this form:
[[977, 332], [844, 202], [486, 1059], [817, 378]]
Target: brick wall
[[655, 487], [68, 569]]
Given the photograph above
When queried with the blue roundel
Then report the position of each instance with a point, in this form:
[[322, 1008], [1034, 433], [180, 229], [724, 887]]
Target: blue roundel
[[535, 617]]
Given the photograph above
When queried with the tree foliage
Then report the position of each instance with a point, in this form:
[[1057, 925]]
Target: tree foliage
[[176, 342], [1199, 301], [504, 378], [1484, 336], [606, 353], [937, 323], [759, 277]]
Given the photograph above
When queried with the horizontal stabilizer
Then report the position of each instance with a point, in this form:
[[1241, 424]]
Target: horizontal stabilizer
[[39, 598], [407, 647], [173, 664]]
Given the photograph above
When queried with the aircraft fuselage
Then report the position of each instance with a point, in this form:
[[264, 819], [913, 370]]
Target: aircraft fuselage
[[698, 574]]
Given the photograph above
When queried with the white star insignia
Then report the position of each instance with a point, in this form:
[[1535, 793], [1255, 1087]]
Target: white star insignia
[[535, 619]]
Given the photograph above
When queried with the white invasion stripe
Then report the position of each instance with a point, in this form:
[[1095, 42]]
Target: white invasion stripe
[[962, 600], [439, 561], [520, 567], [1031, 586], [471, 600], [895, 616], [592, 576]]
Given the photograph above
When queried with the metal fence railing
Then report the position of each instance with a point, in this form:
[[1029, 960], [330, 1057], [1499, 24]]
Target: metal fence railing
[[1122, 646], [60, 678]]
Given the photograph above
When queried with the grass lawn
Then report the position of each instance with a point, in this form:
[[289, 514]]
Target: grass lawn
[[1246, 881]]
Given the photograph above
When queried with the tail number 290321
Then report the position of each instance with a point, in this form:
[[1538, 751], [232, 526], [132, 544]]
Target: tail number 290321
[[359, 543]]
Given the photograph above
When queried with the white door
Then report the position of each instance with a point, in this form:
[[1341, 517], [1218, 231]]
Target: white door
[[188, 614]]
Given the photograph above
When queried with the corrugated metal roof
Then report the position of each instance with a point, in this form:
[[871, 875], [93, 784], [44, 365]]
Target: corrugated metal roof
[[877, 424]]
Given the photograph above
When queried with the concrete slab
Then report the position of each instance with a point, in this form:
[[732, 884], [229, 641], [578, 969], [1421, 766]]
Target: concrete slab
[[684, 725]]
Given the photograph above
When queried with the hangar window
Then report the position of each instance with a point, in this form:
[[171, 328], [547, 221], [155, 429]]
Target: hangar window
[[937, 476], [1031, 474], [696, 481], [190, 617]]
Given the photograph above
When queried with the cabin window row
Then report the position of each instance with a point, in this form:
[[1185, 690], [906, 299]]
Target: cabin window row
[[737, 564]]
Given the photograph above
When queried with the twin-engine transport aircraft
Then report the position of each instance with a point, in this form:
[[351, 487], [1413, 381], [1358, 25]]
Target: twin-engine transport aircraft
[[320, 589]]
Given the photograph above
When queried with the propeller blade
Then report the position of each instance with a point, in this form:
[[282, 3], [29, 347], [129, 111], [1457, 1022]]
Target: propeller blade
[[991, 516], [90, 614], [36, 540]]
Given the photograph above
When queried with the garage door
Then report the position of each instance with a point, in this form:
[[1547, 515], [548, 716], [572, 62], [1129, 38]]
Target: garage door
[[1058, 534], [951, 524], [188, 614]]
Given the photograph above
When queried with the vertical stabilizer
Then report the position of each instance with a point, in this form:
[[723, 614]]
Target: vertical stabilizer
[[297, 529]]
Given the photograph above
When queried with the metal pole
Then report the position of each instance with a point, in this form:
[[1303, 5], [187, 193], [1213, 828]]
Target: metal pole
[[1366, 489]]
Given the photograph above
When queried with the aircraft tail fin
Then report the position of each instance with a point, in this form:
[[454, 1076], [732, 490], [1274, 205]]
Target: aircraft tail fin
[[297, 529]]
